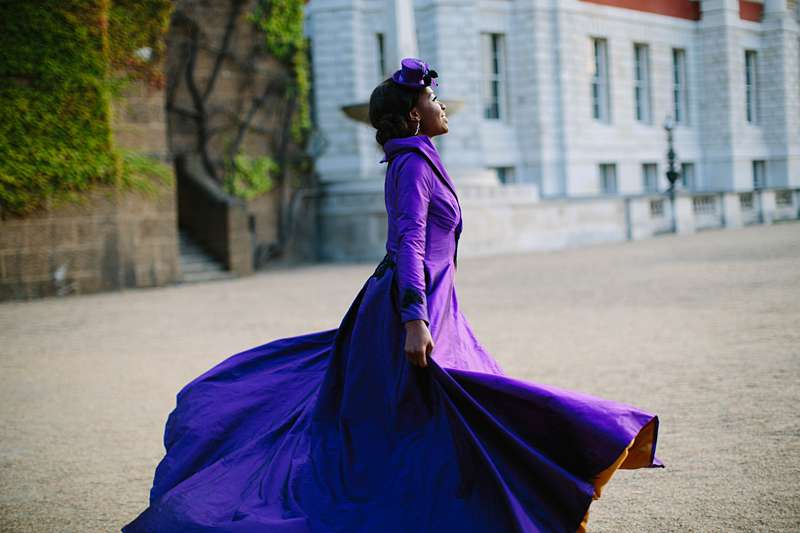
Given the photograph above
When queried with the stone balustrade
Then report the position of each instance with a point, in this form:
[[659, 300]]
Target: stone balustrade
[[353, 225]]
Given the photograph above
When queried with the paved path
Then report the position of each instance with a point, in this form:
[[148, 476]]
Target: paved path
[[703, 330]]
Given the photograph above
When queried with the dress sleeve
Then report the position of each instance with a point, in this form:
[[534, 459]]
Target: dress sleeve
[[413, 196]]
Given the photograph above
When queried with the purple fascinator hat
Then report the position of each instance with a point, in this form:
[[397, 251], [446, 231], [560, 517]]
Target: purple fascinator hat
[[415, 73]]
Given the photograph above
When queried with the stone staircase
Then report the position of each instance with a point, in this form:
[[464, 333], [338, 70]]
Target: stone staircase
[[196, 264]]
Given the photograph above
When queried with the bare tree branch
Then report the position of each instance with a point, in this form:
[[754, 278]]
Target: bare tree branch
[[244, 125], [189, 113], [236, 7], [198, 102], [285, 196]]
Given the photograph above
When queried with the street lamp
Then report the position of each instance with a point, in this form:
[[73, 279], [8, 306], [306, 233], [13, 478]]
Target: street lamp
[[672, 174]]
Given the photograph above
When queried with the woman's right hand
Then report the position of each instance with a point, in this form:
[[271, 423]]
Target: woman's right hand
[[419, 343]]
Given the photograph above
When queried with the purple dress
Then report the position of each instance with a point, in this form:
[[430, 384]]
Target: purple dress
[[335, 431]]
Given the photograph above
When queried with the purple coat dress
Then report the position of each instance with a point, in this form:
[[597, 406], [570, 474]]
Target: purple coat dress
[[335, 431]]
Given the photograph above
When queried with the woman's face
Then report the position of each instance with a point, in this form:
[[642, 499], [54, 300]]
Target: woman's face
[[430, 112]]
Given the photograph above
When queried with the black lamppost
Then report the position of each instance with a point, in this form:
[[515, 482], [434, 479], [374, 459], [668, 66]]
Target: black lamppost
[[672, 173]]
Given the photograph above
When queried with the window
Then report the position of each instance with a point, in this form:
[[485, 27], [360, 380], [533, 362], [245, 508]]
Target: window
[[759, 174], [680, 93], [382, 74], [494, 86], [505, 174], [650, 177], [641, 82], [687, 176], [608, 178], [751, 85], [600, 86]]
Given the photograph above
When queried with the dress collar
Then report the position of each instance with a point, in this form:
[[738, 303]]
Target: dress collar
[[424, 145], [399, 145]]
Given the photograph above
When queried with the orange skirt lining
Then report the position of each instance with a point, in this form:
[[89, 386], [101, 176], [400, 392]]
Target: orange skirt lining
[[637, 454]]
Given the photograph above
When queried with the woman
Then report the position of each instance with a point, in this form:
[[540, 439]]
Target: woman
[[398, 420]]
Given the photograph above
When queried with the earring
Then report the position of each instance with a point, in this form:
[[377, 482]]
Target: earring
[[418, 123]]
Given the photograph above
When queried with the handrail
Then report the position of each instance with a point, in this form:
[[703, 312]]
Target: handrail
[[188, 169]]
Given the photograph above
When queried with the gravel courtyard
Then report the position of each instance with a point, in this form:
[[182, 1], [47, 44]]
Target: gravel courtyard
[[703, 330]]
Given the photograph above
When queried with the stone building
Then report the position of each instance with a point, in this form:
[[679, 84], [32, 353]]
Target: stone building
[[224, 94], [560, 139]]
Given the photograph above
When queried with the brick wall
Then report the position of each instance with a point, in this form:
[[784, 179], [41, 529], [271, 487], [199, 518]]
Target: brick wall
[[139, 121], [112, 240]]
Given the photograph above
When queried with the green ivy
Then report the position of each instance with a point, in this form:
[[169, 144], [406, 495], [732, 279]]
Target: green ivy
[[56, 86], [248, 177], [136, 29], [282, 24], [145, 173]]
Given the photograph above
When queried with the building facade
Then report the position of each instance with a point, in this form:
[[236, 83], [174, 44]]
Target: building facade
[[567, 99]]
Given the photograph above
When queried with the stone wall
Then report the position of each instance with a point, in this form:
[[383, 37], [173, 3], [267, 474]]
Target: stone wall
[[548, 135], [245, 75], [249, 83], [353, 226], [139, 121], [219, 222], [113, 240], [243, 234]]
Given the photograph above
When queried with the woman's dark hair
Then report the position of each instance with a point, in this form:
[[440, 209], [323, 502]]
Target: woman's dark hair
[[389, 105]]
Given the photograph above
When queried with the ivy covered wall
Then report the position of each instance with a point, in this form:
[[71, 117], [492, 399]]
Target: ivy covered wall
[[61, 63]]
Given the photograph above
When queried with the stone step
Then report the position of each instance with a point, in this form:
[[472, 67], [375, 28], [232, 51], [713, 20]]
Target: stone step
[[197, 277], [201, 266], [192, 250], [194, 257], [196, 264]]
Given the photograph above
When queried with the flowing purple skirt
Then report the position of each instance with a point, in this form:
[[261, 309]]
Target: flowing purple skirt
[[335, 431]]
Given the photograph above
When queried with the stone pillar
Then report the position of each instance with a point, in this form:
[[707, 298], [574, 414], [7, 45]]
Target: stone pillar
[[639, 220], [780, 103], [719, 107], [766, 203], [684, 215], [343, 75], [731, 210], [452, 47], [541, 59], [401, 39]]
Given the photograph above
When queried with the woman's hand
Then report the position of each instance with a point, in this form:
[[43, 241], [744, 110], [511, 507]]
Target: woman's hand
[[419, 343]]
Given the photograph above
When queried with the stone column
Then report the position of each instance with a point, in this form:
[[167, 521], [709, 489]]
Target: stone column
[[779, 99], [732, 210], [684, 214], [450, 42], [342, 75], [766, 204], [542, 58], [719, 64], [401, 39]]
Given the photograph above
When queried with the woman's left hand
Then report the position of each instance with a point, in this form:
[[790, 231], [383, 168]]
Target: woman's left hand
[[419, 342]]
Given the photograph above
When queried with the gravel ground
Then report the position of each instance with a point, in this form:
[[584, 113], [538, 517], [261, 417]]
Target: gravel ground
[[703, 330]]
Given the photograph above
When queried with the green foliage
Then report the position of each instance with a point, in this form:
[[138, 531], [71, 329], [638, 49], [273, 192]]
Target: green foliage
[[145, 173], [134, 26], [248, 177], [56, 140], [282, 24], [55, 133], [302, 126]]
